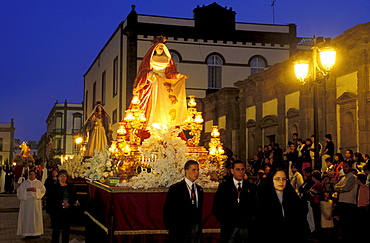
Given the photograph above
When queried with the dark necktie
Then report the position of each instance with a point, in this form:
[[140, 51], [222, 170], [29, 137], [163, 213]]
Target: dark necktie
[[193, 197], [239, 187], [239, 190]]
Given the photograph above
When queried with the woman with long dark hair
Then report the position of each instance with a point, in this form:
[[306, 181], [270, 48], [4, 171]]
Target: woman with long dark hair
[[359, 162], [281, 210], [338, 164]]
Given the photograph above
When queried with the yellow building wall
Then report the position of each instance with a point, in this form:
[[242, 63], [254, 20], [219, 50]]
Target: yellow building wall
[[270, 108], [208, 126], [347, 83], [222, 122], [250, 113], [292, 101]]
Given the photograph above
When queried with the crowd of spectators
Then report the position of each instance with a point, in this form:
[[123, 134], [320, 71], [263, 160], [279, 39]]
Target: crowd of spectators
[[334, 188]]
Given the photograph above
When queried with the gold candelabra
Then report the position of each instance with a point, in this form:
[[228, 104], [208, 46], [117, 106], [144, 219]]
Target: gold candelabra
[[134, 121], [216, 152], [126, 144], [194, 122]]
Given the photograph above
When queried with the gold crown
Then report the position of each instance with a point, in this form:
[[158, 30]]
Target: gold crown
[[159, 39]]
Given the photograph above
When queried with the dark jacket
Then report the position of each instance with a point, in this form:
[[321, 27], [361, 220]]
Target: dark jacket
[[179, 214], [229, 212], [273, 225], [49, 183], [60, 215], [306, 157], [292, 156]]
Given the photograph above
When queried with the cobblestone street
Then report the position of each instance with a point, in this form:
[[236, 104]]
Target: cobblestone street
[[9, 207]]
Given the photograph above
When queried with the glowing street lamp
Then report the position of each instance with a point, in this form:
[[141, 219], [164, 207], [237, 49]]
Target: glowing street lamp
[[78, 140], [314, 72]]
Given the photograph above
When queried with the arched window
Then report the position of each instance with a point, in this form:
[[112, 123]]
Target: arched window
[[176, 59], [214, 63], [257, 64]]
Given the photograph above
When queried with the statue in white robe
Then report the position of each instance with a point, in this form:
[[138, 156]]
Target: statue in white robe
[[30, 194], [160, 88]]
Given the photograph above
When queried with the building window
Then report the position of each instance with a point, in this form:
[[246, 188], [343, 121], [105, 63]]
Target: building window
[[103, 87], [94, 95], [257, 64], [1, 144], [214, 63], [176, 59], [86, 101], [115, 76], [58, 120], [58, 143], [114, 116], [77, 122]]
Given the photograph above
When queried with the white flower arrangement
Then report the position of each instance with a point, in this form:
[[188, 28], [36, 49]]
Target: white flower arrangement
[[74, 166], [205, 172], [100, 166], [171, 153]]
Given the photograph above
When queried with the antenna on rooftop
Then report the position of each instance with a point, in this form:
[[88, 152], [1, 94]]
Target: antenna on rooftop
[[273, 10]]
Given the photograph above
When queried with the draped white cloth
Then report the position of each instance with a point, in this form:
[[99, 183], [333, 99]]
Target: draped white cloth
[[44, 175], [168, 96], [30, 212]]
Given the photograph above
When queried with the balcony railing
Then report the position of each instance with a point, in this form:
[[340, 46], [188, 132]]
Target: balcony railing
[[58, 131]]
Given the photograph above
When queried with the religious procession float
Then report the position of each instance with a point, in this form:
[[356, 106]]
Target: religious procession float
[[128, 177], [161, 130]]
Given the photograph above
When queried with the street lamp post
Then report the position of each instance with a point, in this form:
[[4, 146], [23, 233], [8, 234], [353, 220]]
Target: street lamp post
[[315, 73]]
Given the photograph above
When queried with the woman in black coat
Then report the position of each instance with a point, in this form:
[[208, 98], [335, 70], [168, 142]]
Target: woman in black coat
[[282, 215], [49, 183], [62, 198]]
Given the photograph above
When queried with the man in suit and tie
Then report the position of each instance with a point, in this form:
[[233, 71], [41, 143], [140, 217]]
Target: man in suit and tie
[[182, 212], [234, 206]]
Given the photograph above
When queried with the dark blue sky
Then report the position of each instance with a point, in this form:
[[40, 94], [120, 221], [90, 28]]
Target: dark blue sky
[[46, 45]]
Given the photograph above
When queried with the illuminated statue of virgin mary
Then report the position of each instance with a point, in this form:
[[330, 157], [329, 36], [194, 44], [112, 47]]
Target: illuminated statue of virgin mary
[[160, 88]]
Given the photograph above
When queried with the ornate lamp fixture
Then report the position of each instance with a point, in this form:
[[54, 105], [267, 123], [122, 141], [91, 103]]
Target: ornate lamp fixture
[[323, 66], [314, 72], [216, 152], [134, 121], [194, 122]]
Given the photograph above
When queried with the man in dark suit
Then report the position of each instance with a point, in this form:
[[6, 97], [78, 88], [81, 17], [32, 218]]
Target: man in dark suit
[[182, 212], [234, 206]]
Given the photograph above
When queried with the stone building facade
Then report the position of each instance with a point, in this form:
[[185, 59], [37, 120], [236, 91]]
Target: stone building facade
[[64, 123], [273, 104], [212, 48], [6, 142]]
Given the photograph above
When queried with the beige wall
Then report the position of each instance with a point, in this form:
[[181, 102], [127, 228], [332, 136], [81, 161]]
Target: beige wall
[[7, 135]]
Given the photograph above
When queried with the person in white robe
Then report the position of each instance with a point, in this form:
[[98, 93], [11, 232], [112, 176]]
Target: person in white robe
[[2, 180], [30, 194]]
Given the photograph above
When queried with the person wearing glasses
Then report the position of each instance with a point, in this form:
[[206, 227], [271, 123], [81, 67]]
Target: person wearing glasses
[[62, 198], [30, 193], [281, 213], [234, 206]]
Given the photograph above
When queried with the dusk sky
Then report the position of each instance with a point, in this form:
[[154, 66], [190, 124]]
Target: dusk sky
[[46, 46]]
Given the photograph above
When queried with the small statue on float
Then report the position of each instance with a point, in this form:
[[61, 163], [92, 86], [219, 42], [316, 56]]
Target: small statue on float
[[97, 131], [24, 157]]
